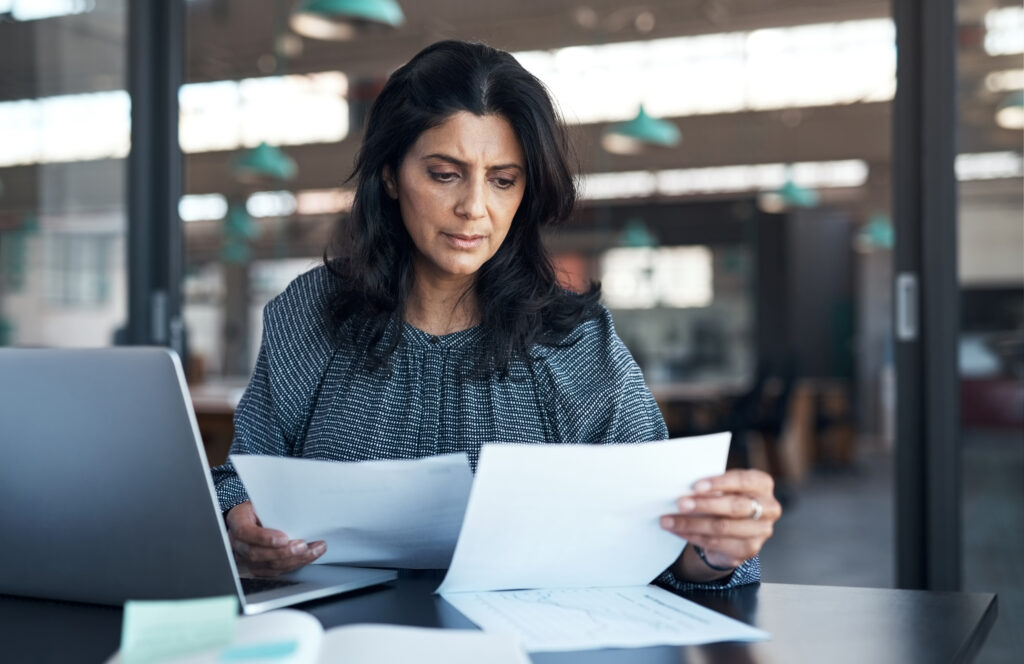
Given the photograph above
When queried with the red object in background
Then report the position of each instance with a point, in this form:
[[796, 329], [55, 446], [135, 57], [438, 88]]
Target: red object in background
[[572, 271], [992, 402]]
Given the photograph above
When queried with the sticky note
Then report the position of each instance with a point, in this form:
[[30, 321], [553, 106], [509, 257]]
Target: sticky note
[[271, 650], [158, 630]]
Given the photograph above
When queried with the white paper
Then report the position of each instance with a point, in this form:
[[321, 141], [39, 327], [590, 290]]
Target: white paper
[[395, 513], [576, 516], [389, 644], [589, 618]]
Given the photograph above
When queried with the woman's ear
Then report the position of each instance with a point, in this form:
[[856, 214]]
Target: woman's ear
[[389, 182]]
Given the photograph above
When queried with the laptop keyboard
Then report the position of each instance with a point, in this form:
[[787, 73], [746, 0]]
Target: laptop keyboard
[[251, 586]]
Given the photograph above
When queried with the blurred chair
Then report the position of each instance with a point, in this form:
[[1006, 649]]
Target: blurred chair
[[763, 411], [833, 426]]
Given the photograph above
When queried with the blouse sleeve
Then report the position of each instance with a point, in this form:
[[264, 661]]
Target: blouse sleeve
[[748, 572], [256, 432], [294, 349]]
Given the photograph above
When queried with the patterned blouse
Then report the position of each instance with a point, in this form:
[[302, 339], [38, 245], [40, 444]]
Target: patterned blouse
[[309, 397]]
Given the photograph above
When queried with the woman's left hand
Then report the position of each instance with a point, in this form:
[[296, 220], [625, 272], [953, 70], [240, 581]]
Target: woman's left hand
[[730, 516]]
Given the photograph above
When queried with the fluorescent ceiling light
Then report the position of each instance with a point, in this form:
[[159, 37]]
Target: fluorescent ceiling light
[[722, 179], [202, 207], [1005, 81], [271, 204], [33, 10], [223, 115], [989, 166], [1004, 31], [810, 65]]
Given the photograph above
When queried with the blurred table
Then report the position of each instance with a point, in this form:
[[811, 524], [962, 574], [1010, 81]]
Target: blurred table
[[713, 390], [696, 407], [808, 624]]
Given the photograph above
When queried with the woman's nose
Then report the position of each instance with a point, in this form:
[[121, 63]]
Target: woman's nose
[[473, 203]]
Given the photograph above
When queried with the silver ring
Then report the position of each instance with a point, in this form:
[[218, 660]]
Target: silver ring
[[755, 510]]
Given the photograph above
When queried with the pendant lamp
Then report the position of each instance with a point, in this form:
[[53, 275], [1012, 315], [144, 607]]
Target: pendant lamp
[[633, 136], [1010, 113], [789, 195], [340, 20], [637, 235], [796, 196], [264, 163]]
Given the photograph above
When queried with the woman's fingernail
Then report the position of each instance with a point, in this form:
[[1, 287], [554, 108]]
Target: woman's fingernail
[[319, 549], [703, 485], [687, 505], [278, 540], [667, 522], [298, 547]]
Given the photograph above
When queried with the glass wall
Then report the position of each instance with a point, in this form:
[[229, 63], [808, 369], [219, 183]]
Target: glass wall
[[64, 133], [746, 263], [991, 274]]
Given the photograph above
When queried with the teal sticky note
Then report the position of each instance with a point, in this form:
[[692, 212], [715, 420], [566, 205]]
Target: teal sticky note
[[157, 630], [260, 651]]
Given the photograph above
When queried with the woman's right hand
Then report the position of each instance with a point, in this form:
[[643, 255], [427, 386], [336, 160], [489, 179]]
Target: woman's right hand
[[263, 551]]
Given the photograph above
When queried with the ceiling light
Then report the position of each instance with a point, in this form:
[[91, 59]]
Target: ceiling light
[[264, 163], [636, 234], [789, 195], [797, 196], [341, 19], [631, 137], [1010, 113]]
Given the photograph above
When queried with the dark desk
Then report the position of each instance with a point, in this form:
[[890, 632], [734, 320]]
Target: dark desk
[[817, 624]]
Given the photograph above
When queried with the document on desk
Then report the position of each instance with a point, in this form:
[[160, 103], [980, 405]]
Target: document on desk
[[576, 516], [394, 513], [546, 620]]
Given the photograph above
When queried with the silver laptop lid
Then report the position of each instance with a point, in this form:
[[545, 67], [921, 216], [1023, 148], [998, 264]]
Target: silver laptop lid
[[105, 493]]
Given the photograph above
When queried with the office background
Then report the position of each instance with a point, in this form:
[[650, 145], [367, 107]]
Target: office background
[[761, 202]]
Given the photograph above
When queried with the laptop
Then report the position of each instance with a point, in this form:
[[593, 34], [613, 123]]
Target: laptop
[[105, 492]]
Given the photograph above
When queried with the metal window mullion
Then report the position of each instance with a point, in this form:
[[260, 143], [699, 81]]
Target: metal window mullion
[[927, 477], [155, 243]]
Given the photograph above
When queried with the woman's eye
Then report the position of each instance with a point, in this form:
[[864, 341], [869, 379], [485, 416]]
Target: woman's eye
[[445, 176], [504, 183]]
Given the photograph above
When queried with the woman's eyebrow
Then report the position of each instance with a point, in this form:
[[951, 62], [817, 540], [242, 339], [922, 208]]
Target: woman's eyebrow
[[461, 164]]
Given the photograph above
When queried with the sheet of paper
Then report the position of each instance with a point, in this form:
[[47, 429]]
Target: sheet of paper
[[590, 618], [394, 513], [154, 631], [390, 644], [576, 516]]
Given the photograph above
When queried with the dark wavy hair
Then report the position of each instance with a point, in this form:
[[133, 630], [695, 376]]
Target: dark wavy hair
[[517, 293]]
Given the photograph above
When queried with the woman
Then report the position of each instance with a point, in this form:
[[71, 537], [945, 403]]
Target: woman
[[440, 326]]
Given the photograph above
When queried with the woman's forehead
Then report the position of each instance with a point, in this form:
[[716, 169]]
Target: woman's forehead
[[485, 141]]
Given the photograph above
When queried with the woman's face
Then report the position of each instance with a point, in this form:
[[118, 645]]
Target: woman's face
[[458, 189]]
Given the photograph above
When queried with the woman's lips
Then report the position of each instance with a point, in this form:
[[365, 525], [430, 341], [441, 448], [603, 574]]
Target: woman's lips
[[460, 241]]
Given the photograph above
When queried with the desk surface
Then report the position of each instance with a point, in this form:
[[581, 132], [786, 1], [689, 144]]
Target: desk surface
[[809, 624]]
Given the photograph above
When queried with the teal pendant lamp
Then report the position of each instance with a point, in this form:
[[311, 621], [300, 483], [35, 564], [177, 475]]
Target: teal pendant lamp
[[796, 196], [339, 20], [636, 235], [877, 234], [264, 163], [789, 195], [633, 136], [1010, 112], [239, 231]]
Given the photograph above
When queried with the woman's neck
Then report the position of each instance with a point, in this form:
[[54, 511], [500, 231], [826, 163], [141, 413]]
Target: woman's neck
[[441, 305]]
